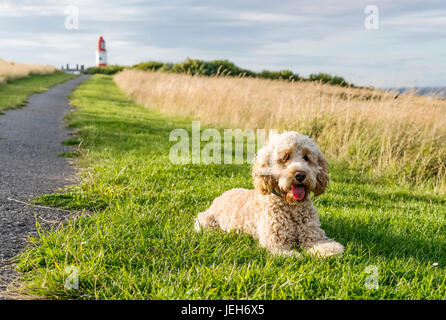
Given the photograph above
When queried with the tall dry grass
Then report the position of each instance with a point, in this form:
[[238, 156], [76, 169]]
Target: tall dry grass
[[398, 136], [10, 70]]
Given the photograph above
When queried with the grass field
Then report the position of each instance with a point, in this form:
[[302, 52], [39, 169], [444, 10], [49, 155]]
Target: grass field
[[136, 239], [14, 94]]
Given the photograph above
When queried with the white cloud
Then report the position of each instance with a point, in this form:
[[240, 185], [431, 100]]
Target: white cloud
[[265, 17], [425, 19], [41, 41]]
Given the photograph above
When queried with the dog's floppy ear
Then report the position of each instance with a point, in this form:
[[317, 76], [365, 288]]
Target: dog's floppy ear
[[262, 173], [322, 177]]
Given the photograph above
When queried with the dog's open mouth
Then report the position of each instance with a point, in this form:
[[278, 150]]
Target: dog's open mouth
[[298, 191]]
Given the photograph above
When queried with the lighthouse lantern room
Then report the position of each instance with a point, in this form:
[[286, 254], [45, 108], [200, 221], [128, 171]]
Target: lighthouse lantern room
[[101, 54]]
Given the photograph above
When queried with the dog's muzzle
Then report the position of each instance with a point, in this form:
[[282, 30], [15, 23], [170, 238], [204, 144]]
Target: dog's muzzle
[[300, 176]]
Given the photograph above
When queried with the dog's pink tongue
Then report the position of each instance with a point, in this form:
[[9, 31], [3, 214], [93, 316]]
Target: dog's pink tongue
[[298, 192]]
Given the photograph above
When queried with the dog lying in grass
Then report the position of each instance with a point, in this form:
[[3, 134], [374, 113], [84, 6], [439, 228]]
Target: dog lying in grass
[[279, 211]]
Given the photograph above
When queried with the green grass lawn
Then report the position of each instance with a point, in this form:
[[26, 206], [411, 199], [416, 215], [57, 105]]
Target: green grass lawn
[[137, 240], [15, 93]]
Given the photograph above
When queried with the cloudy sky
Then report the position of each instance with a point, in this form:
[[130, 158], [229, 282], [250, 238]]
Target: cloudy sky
[[407, 49]]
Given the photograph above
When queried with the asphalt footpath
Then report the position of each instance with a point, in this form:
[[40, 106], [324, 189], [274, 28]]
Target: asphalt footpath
[[30, 165]]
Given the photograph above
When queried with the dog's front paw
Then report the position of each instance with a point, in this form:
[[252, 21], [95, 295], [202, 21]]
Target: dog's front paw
[[326, 249]]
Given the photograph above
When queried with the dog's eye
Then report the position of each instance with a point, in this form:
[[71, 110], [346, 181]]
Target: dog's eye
[[285, 158], [306, 158]]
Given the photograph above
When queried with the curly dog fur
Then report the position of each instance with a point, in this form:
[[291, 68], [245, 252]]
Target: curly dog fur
[[279, 211]]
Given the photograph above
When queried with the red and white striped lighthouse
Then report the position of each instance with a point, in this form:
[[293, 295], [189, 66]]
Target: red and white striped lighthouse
[[101, 54]]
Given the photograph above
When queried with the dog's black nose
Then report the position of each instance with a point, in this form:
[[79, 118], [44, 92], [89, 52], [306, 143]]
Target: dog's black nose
[[300, 176]]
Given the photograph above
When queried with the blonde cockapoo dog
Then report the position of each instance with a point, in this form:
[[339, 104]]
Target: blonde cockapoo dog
[[279, 211]]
